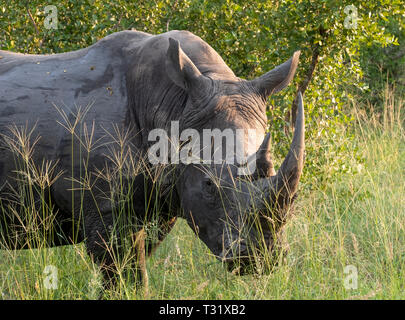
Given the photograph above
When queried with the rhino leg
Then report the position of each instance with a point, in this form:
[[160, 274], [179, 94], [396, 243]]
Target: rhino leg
[[115, 251], [23, 227], [114, 247], [111, 236], [165, 226], [104, 246]]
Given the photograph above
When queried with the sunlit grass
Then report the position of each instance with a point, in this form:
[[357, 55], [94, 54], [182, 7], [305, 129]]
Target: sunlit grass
[[355, 219]]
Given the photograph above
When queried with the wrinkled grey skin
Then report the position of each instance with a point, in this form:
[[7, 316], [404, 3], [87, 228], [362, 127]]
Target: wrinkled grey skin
[[141, 82]]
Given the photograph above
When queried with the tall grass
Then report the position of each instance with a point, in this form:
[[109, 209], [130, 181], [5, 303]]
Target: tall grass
[[355, 219]]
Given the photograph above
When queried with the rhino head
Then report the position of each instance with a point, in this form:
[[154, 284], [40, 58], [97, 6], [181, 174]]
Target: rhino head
[[238, 216]]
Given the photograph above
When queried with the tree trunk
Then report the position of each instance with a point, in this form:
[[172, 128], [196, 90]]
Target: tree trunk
[[303, 85]]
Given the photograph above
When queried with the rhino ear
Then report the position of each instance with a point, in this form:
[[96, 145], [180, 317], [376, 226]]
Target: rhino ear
[[181, 70], [278, 78]]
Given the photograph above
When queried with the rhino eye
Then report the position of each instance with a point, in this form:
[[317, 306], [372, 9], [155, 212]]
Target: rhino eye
[[209, 185]]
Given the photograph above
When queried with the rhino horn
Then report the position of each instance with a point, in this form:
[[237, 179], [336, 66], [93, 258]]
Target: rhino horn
[[264, 163], [282, 186], [278, 78]]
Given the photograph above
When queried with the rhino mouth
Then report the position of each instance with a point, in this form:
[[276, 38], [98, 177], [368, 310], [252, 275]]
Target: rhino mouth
[[250, 262], [241, 264], [253, 252], [241, 258]]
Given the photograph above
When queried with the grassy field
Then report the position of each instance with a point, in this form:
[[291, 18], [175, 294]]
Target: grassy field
[[354, 223]]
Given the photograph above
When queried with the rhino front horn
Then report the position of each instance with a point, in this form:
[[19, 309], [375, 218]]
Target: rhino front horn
[[281, 187]]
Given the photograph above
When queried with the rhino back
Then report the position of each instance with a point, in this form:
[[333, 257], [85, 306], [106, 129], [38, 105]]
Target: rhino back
[[36, 90]]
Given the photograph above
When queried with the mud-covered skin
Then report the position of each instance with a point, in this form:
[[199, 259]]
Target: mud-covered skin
[[135, 82]]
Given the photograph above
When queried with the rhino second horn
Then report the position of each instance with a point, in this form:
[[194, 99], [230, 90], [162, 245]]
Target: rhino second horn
[[264, 163]]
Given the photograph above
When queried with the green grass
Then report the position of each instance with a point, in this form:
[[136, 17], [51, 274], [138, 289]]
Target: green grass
[[355, 218]]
